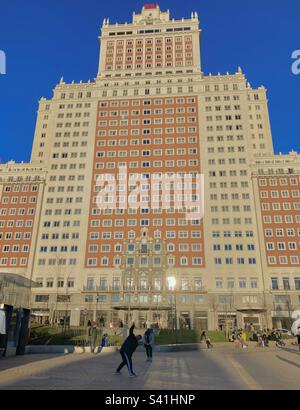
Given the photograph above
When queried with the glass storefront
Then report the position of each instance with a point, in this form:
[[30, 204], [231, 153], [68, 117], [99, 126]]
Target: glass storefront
[[15, 294]]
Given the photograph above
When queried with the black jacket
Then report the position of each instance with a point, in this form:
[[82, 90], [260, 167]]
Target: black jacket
[[130, 344]]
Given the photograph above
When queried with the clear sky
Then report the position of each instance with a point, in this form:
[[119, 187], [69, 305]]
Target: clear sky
[[44, 40]]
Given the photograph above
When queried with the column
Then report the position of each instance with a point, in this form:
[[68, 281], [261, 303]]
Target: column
[[75, 317]]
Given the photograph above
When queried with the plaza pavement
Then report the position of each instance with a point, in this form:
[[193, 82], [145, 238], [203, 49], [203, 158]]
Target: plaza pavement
[[219, 368]]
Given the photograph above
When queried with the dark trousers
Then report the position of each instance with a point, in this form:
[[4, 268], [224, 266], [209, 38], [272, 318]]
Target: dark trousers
[[149, 351], [208, 344], [127, 361]]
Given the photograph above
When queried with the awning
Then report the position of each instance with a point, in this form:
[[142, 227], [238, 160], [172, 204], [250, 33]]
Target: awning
[[19, 280], [251, 309], [40, 314]]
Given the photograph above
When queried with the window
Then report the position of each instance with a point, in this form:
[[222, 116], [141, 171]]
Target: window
[[49, 283], [219, 283], [282, 299], [42, 298], [184, 284], [115, 298], [157, 284], [286, 283], [103, 284], [90, 283], [274, 283], [71, 283], [225, 300], [242, 283], [102, 298], [249, 299], [199, 299], [254, 284], [143, 298], [230, 283]]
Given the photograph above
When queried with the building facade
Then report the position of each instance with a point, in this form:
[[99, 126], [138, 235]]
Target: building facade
[[153, 112], [276, 184]]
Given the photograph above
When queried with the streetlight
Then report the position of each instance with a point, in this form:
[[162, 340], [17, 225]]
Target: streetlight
[[130, 289], [97, 302], [67, 302], [172, 287], [58, 276]]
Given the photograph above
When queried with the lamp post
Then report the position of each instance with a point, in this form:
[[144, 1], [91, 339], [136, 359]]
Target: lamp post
[[172, 287], [58, 276], [67, 304], [129, 288], [97, 302]]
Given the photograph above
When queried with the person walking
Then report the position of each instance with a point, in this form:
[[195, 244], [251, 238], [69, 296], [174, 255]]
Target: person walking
[[260, 341], [104, 340], [278, 339], [203, 337], [241, 340], [232, 337], [101, 321], [148, 343], [255, 337], [127, 350], [208, 343], [265, 340]]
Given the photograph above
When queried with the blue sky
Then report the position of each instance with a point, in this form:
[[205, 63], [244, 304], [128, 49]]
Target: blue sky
[[44, 40]]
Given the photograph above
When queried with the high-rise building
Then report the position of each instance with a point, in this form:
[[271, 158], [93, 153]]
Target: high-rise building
[[153, 113]]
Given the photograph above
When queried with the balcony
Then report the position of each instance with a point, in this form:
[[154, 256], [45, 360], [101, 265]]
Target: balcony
[[283, 289], [145, 289], [189, 289], [193, 289], [89, 288]]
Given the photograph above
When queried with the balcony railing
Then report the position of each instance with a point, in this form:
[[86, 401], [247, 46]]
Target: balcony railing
[[190, 289], [284, 289]]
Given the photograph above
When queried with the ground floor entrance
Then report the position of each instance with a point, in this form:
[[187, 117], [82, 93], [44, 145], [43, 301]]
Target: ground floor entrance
[[164, 317]]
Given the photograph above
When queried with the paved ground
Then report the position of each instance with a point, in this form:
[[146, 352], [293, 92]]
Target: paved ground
[[219, 368]]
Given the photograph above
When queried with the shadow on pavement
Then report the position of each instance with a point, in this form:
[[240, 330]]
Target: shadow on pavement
[[169, 371], [286, 349], [8, 363], [288, 361]]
